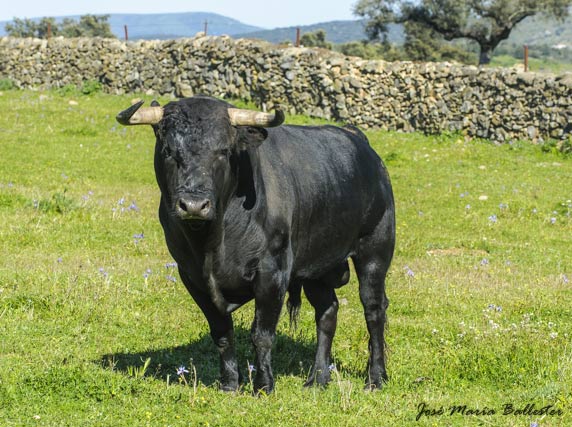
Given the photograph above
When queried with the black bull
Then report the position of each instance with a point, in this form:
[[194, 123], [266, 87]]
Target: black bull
[[252, 210]]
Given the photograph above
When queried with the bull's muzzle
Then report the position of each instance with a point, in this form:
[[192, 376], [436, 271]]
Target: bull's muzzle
[[195, 208]]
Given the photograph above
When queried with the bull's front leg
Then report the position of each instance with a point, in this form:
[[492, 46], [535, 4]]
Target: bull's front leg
[[269, 298], [222, 333]]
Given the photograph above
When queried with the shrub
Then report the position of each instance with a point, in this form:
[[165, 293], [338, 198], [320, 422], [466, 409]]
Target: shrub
[[90, 87], [7, 84]]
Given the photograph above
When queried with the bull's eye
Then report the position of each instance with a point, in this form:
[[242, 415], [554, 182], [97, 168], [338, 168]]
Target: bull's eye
[[170, 155]]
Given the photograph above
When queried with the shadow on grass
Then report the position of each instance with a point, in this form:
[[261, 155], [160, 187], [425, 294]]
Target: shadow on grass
[[290, 356]]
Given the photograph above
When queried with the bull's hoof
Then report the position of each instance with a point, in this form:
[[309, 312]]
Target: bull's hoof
[[372, 386], [319, 378], [376, 384], [229, 388], [263, 386], [231, 384]]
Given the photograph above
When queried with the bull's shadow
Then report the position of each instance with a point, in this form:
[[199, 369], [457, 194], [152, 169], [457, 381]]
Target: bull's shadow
[[290, 356]]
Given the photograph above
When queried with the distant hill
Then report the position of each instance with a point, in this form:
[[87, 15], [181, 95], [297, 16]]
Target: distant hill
[[336, 32], [168, 25]]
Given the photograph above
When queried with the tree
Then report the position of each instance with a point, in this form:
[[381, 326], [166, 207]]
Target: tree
[[30, 28], [88, 26], [315, 39], [425, 44], [487, 22]]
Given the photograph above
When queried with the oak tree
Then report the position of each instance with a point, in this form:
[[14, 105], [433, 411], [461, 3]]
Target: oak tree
[[487, 22]]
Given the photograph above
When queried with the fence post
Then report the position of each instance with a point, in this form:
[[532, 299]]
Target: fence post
[[525, 57], [298, 37], [206, 26], [49, 30], [126, 33]]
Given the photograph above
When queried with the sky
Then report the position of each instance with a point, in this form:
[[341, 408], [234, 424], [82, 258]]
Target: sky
[[261, 13]]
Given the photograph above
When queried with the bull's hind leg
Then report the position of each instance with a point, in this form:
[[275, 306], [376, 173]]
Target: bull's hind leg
[[323, 299], [371, 262]]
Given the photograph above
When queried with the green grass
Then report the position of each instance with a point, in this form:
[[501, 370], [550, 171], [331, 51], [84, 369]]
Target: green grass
[[480, 311], [544, 65]]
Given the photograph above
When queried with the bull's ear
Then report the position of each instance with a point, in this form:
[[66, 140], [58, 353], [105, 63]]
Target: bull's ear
[[250, 137]]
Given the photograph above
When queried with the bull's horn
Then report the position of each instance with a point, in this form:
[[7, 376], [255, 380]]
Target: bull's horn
[[240, 117], [135, 115]]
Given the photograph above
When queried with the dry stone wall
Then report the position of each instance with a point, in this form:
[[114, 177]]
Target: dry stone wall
[[499, 104]]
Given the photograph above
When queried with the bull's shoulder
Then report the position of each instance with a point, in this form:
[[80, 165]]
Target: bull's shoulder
[[355, 131]]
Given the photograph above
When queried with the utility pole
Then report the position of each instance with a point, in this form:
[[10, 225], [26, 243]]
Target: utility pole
[[206, 26], [126, 33]]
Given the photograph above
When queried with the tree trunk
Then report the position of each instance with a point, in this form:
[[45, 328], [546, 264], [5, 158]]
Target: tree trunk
[[485, 55]]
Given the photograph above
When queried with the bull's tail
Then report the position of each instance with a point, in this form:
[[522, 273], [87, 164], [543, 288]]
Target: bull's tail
[[294, 302]]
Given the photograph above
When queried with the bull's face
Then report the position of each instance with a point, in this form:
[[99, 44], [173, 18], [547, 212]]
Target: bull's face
[[198, 141]]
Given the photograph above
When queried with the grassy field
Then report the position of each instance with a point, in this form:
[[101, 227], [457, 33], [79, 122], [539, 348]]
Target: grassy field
[[537, 65], [94, 321]]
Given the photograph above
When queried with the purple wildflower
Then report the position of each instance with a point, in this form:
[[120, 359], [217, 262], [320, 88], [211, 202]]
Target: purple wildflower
[[182, 370], [565, 279], [409, 272], [138, 237], [104, 273], [552, 220], [171, 278], [332, 367], [493, 218], [251, 368], [484, 261], [133, 207], [503, 206], [170, 265]]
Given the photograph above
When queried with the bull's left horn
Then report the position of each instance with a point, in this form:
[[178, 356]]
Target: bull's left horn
[[240, 117], [135, 115]]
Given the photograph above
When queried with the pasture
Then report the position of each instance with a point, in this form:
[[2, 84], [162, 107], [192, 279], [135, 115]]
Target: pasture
[[95, 324]]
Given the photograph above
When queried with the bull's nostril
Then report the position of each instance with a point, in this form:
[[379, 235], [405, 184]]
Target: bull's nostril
[[183, 205], [206, 205]]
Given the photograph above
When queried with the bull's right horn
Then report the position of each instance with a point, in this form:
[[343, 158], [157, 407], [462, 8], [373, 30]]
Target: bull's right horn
[[135, 115]]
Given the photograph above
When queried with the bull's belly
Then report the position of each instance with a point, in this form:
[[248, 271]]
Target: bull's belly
[[316, 262]]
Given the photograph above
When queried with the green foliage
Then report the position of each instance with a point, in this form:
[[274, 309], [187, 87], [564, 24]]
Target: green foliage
[[315, 39], [425, 44], [485, 22], [30, 28], [93, 328], [67, 90], [87, 26], [7, 84], [58, 203], [90, 87]]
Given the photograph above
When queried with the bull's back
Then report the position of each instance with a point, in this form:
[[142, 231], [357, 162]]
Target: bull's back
[[329, 186]]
